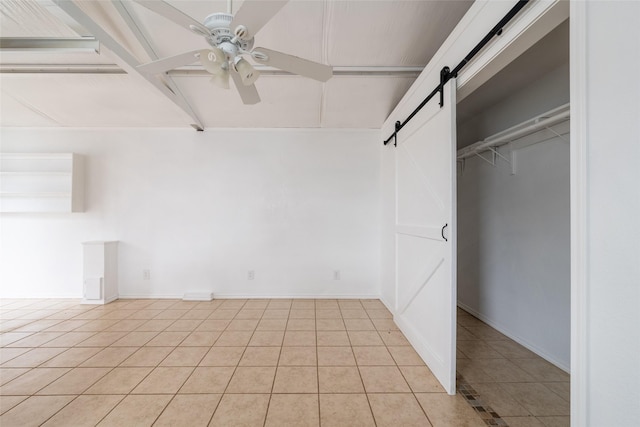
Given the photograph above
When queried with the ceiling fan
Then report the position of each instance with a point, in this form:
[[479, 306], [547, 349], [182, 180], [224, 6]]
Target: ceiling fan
[[231, 37]]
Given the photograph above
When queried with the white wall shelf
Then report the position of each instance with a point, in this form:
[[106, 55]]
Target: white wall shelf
[[41, 182]]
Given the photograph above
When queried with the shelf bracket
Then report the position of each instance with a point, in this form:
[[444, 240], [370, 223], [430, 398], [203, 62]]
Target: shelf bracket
[[492, 163], [557, 134], [463, 164], [497, 153]]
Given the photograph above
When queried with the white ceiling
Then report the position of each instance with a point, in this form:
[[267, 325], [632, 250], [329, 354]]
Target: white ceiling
[[353, 33]]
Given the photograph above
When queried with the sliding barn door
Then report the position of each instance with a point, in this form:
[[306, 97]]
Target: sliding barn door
[[425, 235]]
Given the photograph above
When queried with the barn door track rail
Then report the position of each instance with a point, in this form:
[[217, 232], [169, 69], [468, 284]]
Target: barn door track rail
[[446, 74]]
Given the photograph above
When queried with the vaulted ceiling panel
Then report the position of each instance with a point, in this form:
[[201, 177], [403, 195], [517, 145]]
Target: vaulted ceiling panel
[[92, 100], [297, 106], [365, 100], [13, 112], [28, 18], [49, 88], [168, 38], [296, 29], [389, 32]]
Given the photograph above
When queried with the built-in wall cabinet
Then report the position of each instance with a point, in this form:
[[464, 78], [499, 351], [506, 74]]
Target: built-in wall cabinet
[[41, 182]]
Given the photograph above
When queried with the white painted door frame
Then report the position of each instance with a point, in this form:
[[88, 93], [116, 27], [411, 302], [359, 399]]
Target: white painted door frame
[[529, 26], [534, 24]]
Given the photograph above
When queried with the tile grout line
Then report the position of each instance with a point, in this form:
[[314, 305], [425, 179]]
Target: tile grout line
[[402, 373], [78, 395], [487, 340], [275, 374], [142, 379], [358, 366], [186, 379], [315, 318]]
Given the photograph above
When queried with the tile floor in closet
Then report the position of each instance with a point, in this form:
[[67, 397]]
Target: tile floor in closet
[[497, 373], [226, 362]]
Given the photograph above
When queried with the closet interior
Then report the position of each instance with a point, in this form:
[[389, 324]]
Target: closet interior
[[513, 200]]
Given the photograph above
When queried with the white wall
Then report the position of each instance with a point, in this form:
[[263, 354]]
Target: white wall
[[605, 41], [514, 245], [201, 209]]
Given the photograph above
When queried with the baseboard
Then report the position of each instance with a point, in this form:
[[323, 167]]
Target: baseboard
[[386, 304], [515, 337], [47, 296], [245, 296], [111, 299], [290, 296], [151, 296]]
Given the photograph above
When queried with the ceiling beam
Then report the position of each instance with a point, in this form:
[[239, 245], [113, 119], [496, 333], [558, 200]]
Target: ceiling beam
[[61, 69], [50, 44], [198, 71], [143, 38], [136, 29], [395, 71], [124, 59]]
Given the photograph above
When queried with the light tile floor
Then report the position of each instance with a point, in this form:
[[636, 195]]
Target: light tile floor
[[253, 362], [521, 387], [219, 363]]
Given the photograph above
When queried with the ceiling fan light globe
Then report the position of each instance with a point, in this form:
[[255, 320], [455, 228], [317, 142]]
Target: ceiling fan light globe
[[213, 60], [247, 73], [221, 80], [217, 55], [211, 67]]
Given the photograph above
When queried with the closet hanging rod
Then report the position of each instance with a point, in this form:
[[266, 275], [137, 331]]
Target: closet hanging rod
[[446, 74], [550, 118]]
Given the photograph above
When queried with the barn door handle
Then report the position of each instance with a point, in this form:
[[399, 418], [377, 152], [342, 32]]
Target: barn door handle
[[442, 232]]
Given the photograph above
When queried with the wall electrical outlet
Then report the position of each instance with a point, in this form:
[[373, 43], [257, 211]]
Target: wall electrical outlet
[[336, 274], [146, 274], [251, 275]]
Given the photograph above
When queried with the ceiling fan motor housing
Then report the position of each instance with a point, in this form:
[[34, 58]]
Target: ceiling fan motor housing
[[220, 26]]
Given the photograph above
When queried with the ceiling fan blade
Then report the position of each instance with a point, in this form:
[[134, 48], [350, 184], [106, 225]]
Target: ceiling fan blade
[[293, 64], [172, 14], [249, 94], [254, 14], [163, 65]]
